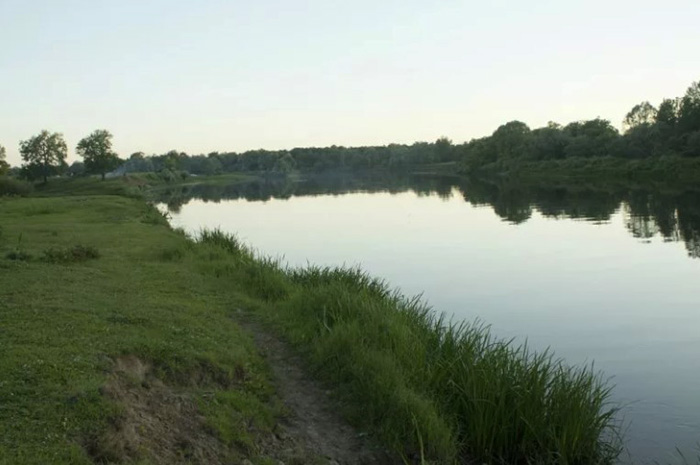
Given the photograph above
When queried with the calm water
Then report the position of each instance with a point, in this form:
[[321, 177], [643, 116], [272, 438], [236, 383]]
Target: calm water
[[608, 275]]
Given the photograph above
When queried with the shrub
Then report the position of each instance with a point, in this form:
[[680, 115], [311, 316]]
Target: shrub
[[77, 253], [11, 186], [18, 255]]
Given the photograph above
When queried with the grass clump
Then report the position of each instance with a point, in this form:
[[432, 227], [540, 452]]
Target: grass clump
[[451, 391], [18, 255], [74, 254], [261, 277]]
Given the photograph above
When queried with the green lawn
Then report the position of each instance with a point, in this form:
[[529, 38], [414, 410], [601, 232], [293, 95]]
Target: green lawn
[[63, 325]]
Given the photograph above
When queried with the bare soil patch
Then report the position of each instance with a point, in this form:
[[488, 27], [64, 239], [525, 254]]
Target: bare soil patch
[[157, 422]]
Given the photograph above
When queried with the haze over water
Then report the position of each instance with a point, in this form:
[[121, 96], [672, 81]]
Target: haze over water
[[605, 276]]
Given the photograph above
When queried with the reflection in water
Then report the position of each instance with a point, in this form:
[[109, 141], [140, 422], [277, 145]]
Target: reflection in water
[[674, 216]]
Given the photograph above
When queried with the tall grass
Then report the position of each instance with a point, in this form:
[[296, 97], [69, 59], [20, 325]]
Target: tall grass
[[262, 277], [440, 390]]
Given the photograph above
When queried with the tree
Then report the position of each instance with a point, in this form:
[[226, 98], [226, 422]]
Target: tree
[[689, 112], [96, 149], [668, 112], [512, 140], [44, 155], [443, 149], [4, 167], [641, 114], [549, 143]]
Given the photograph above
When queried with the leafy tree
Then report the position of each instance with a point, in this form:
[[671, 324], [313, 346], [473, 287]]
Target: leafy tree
[[668, 112], [96, 150], [689, 112], [512, 140], [284, 165], [443, 149], [641, 114], [692, 148], [44, 155], [549, 143], [592, 138], [4, 166]]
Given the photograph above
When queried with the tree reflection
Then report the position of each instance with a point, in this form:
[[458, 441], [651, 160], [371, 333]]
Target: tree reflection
[[647, 213]]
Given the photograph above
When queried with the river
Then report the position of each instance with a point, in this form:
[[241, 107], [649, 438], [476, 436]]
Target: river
[[606, 275]]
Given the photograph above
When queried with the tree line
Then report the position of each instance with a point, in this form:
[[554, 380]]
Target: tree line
[[671, 129], [44, 155], [307, 159]]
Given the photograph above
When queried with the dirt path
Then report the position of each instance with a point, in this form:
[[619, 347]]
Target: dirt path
[[313, 421]]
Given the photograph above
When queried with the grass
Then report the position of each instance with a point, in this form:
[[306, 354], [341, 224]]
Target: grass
[[423, 385], [464, 392], [64, 322], [74, 254], [426, 387]]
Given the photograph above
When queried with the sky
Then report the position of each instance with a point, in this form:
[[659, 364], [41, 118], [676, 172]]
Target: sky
[[217, 75]]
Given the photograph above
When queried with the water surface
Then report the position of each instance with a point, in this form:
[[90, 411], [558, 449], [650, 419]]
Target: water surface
[[607, 274]]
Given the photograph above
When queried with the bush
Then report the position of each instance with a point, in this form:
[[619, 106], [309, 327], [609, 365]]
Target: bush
[[18, 255], [77, 253], [11, 186]]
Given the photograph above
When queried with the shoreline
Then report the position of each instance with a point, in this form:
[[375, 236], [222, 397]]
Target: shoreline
[[349, 327]]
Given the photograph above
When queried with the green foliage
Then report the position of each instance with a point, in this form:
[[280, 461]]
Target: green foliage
[[304, 159], [96, 150], [74, 254], [689, 111], [229, 243], [172, 175], [641, 114], [443, 149], [77, 168], [44, 155], [12, 186], [649, 134], [4, 166], [228, 257]]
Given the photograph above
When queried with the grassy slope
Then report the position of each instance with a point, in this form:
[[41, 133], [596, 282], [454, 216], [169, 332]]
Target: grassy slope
[[401, 374], [62, 324]]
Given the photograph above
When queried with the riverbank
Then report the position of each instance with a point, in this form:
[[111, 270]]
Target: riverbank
[[103, 297]]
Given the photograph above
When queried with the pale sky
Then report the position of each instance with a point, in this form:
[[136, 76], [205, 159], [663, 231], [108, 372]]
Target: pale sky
[[238, 75]]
